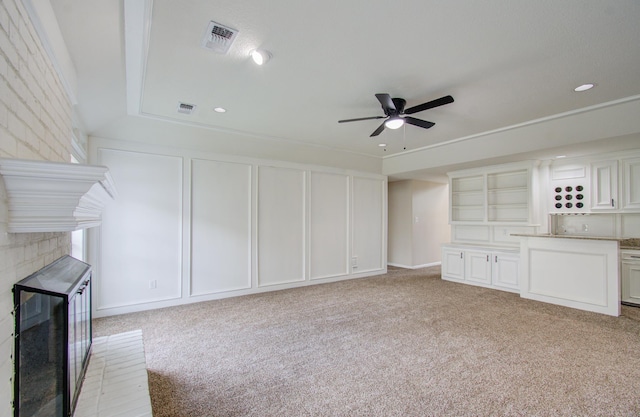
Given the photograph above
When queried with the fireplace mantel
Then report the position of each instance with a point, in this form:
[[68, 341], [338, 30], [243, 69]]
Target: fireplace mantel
[[45, 196]]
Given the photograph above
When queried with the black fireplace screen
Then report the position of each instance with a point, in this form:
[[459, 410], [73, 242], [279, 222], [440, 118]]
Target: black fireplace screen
[[53, 338]]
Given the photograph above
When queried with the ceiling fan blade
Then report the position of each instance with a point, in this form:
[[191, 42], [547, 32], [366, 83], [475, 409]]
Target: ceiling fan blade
[[417, 122], [429, 105], [387, 103], [377, 131], [362, 118]]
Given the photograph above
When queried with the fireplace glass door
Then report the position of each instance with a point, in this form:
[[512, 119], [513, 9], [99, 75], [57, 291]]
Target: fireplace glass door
[[53, 338]]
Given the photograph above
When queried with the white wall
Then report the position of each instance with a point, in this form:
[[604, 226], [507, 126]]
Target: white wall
[[329, 222], [418, 222], [400, 223], [190, 226], [430, 221], [220, 223], [35, 123]]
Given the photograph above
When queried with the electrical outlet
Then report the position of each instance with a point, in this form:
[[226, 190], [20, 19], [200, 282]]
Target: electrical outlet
[[153, 284], [585, 227], [354, 262]]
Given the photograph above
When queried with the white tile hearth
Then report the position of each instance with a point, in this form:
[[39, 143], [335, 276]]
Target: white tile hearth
[[116, 384]]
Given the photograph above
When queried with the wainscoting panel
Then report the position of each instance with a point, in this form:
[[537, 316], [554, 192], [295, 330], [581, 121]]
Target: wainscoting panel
[[190, 226], [281, 225], [220, 226], [141, 232], [328, 225], [369, 224]]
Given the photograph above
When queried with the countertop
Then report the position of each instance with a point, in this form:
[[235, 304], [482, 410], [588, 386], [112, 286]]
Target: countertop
[[625, 243]]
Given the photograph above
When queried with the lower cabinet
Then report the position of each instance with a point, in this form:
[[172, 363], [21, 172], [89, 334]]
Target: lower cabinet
[[453, 264], [630, 277], [494, 268]]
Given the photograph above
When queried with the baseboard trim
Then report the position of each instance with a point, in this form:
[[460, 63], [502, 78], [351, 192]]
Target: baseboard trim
[[415, 266]]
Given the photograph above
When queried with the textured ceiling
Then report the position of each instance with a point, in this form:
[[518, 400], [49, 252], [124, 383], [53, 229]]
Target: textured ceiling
[[504, 62]]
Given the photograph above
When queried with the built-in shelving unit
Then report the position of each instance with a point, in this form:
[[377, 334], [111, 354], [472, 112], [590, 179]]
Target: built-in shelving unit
[[500, 194], [468, 198], [508, 196]]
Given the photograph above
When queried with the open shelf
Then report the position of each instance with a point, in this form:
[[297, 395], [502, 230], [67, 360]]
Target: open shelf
[[508, 196], [493, 197], [468, 198]]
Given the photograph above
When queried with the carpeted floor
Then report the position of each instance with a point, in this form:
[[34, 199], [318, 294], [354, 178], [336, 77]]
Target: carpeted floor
[[402, 344]]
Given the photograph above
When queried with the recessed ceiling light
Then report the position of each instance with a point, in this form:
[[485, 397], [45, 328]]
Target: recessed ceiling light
[[382, 145], [260, 56], [220, 110], [584, 87], [560, 156]]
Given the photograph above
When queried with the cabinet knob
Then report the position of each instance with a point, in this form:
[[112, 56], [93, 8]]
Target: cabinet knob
[[487, 258], [461, 253]]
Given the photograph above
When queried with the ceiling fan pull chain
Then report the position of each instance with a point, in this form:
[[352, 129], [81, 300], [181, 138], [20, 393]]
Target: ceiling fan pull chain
[[404, 137]]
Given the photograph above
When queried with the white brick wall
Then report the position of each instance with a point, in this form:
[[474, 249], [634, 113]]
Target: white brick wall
[[35, 123]]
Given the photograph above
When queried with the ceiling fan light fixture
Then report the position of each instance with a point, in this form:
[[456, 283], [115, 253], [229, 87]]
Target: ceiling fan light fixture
[[394, 123], [260, 56]]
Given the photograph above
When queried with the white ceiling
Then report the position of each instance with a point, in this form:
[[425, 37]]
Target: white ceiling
[[505, 63]]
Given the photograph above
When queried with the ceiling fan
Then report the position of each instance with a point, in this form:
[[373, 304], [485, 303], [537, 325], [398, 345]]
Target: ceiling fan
[[396, 113]]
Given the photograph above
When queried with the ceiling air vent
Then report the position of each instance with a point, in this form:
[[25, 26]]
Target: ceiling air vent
[[186, 108], [218, 37]]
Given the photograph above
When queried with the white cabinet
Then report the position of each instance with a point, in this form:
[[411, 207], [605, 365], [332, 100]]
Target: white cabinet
[[631, 184], [604, 185], [630, 279], [453, 263], [505, 271], [608, 193], [487, 267], [478, 267]]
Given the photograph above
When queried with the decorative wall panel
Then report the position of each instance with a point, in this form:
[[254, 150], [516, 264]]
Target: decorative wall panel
[[220, 226]]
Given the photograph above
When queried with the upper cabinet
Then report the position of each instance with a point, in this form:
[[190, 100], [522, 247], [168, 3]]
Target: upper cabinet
[[631, 184], [610, 183], [604, 185], [615, 185], [493, 195]]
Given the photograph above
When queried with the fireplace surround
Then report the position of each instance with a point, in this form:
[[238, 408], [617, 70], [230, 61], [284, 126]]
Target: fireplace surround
[[52, 338]]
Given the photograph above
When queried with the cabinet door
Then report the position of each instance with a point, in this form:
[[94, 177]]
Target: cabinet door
[[604, 185], [478, 267], [453, 264], [631, 282], [631, 184], [505, 270]]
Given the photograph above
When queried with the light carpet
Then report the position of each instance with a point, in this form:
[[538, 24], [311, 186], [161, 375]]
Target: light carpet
[[402, 344]]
